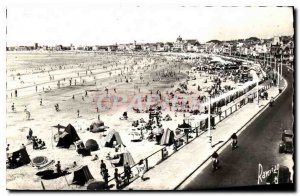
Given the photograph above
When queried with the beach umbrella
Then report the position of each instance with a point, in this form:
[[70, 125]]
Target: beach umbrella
[[58, 126], [43, 186], [184, 125]]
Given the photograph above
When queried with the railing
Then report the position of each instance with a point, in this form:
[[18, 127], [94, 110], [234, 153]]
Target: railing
[[159, 156]]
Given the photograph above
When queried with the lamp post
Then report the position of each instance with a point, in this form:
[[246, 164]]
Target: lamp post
[[209, 129], [257, 92], [281, 68], [278, 76]]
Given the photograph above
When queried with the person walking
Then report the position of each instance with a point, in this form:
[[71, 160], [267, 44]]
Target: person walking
[[141, 169], [117, 178], [102, 168], [41, 102], [105, 178], [266, 95], [30, 133], [78, 113], [127, 172]]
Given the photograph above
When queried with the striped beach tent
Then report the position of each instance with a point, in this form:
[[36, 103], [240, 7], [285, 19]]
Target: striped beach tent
[[167, 138]]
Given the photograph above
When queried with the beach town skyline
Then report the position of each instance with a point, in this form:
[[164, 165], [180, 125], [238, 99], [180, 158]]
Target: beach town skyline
[[103, 25]]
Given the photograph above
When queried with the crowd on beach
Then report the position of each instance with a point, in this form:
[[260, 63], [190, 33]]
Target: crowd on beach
[[199, 84]]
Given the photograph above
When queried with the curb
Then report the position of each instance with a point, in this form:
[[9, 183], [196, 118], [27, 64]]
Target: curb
[[239, 130]]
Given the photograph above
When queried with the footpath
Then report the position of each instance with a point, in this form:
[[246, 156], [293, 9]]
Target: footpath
[[172, 172]]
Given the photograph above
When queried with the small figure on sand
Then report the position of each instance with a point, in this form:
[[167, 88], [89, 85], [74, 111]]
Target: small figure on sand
[[13, 107], [56, 107], [58, 167], [78, 113]]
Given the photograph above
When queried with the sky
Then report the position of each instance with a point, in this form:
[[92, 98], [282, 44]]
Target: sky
[[110, 24]]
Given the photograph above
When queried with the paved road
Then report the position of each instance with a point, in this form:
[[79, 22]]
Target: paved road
[[258, 144]]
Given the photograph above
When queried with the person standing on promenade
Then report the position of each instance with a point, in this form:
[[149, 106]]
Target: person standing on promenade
[[141, 169], [117, 178], [105, 178], [127, 172]]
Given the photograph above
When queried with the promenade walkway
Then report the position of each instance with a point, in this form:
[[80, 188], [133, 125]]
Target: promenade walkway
[[175, 169]]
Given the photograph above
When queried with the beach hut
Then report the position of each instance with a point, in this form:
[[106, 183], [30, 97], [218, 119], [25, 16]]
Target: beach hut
[[167, 138], [98, 126], [82, 176], [113, 137], [123, 157], [68, 137], [18, 158]]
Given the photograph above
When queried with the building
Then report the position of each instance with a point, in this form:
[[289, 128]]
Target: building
[[191, 45], [135, 47], [178, 45], [168, 46], [112, 48], [160, 47]]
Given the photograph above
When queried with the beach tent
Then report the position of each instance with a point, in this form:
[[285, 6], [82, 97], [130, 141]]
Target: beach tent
[[82, 176], [96, 186], [167, 117], [68, 137], [113, 136], [91, 145], [19, 158], [98, 126], [167, 138], [124, 157]]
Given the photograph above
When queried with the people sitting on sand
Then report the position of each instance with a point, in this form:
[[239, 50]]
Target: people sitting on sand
[[150, 137], [34, 144], [108, 157], [38, 144], [135, 123], [95, 158], [125, 117]]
